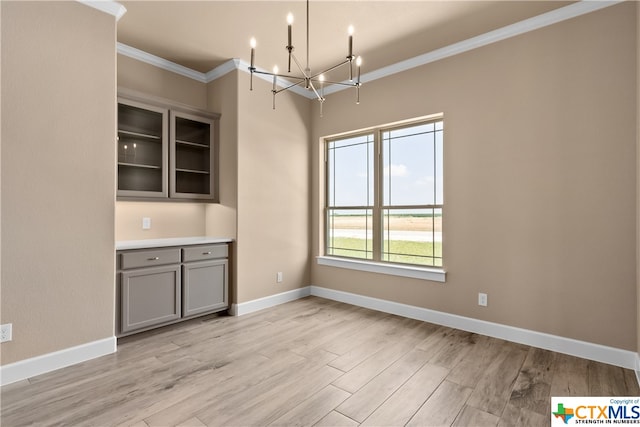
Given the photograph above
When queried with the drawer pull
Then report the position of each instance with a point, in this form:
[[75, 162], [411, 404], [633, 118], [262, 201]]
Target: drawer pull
[[155, 258], [206, 253]]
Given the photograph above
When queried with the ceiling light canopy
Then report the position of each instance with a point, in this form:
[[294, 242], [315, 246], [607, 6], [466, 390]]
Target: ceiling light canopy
[[313, 81]]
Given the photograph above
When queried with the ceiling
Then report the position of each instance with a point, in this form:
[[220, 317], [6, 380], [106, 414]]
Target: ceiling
[[204, 34]]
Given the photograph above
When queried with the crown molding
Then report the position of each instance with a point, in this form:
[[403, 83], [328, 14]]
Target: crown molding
[[143, 56], [216, 73], [221, 70], [107, 6], [549, 18]]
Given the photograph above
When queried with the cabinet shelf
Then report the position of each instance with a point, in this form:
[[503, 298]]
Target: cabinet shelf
[[192, 144], [139, 165], [192, 171], [139, 135]]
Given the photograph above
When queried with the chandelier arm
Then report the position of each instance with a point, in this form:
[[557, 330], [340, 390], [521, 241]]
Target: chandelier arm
[[301, 81], [346, 61], [304, 73], [266, 73], [349, 84], [315, 91], [284, 76]]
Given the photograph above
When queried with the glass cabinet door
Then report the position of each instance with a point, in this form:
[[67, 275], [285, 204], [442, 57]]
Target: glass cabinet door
[[192, 156], [142, 150]]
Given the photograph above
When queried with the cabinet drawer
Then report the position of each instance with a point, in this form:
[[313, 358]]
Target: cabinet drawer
[[199, 253], [149, 258]]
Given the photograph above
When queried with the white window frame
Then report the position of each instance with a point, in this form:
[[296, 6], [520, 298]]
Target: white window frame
[[376, 265]]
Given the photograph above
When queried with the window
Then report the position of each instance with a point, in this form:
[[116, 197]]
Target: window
[[384, 198]]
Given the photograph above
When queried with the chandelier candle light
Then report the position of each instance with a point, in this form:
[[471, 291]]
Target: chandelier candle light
[[308, 79]]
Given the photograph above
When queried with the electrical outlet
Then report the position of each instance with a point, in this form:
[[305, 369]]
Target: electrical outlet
[[482, 299], [6, 332], [146, 223], [279, 277]]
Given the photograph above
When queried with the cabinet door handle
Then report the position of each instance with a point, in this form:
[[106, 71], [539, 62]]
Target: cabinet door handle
[[206, 253], [155, 258]]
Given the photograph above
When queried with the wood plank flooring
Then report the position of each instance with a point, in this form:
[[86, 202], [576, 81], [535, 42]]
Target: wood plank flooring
[[310, 362]]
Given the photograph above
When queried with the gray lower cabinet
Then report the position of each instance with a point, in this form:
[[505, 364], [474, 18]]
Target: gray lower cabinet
[[166, 285], [150, 296], [204, 287]]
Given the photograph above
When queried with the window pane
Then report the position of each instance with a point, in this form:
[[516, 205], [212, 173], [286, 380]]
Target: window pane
[[412, 236], [408, 163], [412, 130], [350, 170], [412, 166], [350, 233]]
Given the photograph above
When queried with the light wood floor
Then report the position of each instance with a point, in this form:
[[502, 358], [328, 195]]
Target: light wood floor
[[311, 362]]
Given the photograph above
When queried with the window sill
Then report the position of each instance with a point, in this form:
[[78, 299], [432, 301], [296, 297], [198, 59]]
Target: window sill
[[424, 273]]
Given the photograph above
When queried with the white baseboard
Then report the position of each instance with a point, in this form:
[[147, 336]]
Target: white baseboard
[[38, 365], [270, 301], [627, 359], [600, 353]]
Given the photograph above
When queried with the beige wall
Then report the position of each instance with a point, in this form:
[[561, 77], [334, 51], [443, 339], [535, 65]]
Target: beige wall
[[58, 176], [540, 178], [222, 97], [167, 220], [273, 191]]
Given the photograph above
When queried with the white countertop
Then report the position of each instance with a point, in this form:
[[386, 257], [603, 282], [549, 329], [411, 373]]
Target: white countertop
[[174, 241]]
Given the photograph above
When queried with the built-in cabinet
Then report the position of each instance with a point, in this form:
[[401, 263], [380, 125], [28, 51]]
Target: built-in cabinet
[[165, 151], [162, 286], [143, 150]]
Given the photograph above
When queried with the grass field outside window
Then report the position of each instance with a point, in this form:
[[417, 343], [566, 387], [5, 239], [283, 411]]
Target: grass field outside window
[[349, 238]]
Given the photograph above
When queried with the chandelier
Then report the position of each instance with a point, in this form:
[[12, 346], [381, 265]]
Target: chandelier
[[315, 81]]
